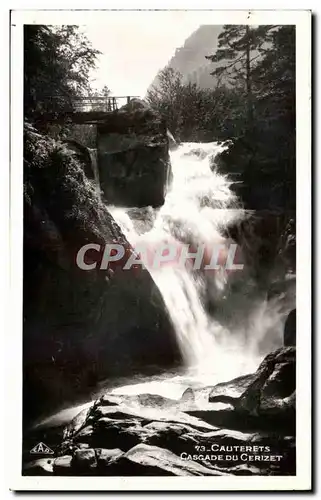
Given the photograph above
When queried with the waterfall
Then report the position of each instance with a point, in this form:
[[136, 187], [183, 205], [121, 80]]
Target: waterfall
[[199, 206], [93, 156]]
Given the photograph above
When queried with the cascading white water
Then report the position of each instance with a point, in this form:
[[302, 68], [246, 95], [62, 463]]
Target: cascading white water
[[199, 204]]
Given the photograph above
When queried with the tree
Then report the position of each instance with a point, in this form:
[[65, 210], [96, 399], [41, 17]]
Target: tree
[[165, 97], [238, 47], [195, 114], [265, 153], [57, 64], [274, 78]]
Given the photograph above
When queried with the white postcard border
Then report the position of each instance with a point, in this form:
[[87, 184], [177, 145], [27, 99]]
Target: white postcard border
[[302, 480]]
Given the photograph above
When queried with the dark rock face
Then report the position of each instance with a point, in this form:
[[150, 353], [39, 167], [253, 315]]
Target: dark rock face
[[290, 329], [269, 392], [79, 326], [133, 156], [190, 61]]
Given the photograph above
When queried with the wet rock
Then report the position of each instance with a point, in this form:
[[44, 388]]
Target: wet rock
[[62, 465], [290, 329], [85, 434], [243, 470], [84, 461], [187, 400], [83, 446], [270, 391], [76, 423], [109, 400], [131, 438], [154, 461], [169, 435], [112, 434], [106, 456], [155, 400], [233, 388], [113, 413], [40, 467], [150, 440]]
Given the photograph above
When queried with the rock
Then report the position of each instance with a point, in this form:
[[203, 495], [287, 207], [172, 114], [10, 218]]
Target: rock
[[188, 395], [84, 461], [73, 335], [84, 435], [83, 154], [130, 439], [106, 456], [187, 400], [112, 413], [125, 427], [109, 400], [76, 423], [82, 446], [155, 400], [40, 467], [154, 461], [267, 393], [172, 143], [243, 470], [233, 388], [133, 156], [62, 466], [111, 434], [142, 218], [290, 329]]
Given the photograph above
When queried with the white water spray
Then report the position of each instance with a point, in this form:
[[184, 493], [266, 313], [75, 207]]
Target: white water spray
[[198, 206]]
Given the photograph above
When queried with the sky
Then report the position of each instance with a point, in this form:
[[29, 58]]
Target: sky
[[135, 47]]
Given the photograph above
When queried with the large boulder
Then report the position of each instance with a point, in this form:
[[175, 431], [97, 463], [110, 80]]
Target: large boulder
[[270, 392], [133, 156], [80, 326]]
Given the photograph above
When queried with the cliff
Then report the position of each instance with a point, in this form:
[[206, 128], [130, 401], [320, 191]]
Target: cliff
[[133, 156], [79, 326], [190, 58]]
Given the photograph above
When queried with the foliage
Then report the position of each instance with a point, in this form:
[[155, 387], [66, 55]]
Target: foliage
[[166, 97], [192, 113], [57, 65], [55, 182], [255, 109], [238, 47], [85, 134], [264, 152]]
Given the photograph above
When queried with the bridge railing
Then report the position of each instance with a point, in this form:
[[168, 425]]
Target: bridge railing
[[100, 103]]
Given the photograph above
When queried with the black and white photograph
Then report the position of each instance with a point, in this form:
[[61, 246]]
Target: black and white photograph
[[162, 198]]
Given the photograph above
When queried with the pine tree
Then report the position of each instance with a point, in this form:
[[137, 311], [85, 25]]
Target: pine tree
[[238, 47], [264, 154], [274, 78]]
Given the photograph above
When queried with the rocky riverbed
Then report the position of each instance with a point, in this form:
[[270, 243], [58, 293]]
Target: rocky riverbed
[[242, 427]]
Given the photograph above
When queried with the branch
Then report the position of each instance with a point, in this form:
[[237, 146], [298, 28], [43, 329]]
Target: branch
[[230, 65]]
